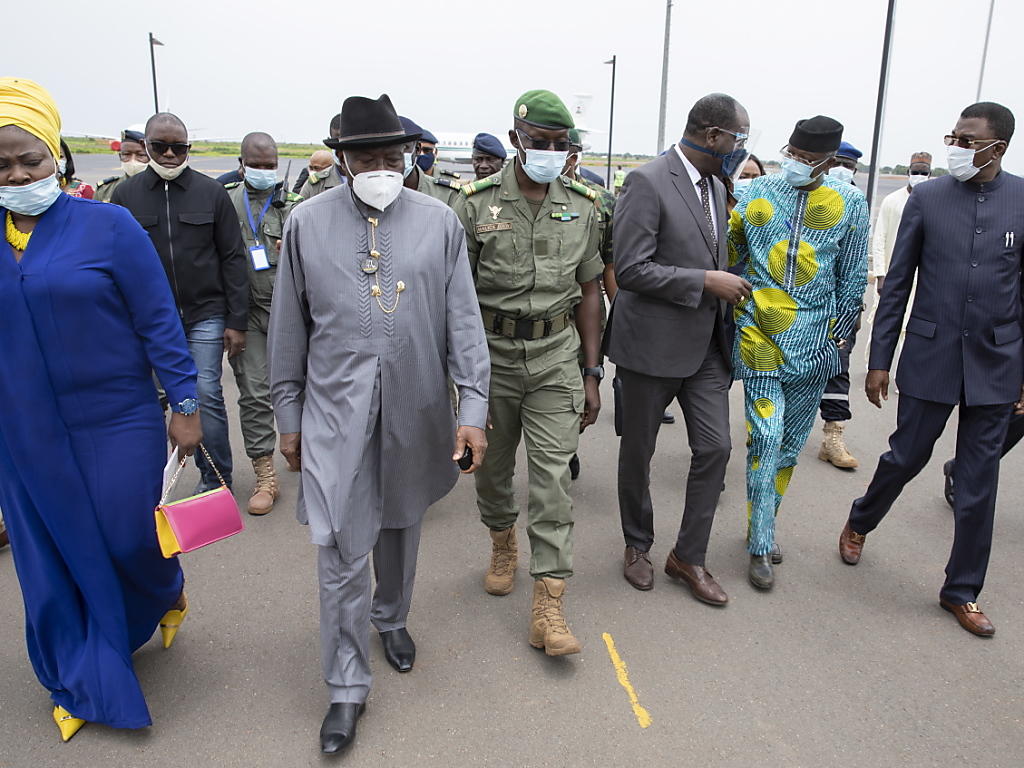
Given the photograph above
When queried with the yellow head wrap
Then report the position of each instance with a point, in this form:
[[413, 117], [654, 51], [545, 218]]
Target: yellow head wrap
[[29, 106]]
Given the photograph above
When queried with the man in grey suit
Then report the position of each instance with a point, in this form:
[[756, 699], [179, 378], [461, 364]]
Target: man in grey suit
[[374, 307], [963, 347], [666, 336]]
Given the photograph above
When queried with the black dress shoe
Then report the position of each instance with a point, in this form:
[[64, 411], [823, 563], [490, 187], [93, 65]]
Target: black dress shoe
[[947, 488], [776, 554], [574, 466], [339, 728], [668, 418], [399, 649]]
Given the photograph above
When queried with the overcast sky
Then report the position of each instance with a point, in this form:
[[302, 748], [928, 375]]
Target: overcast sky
[[458, 65]]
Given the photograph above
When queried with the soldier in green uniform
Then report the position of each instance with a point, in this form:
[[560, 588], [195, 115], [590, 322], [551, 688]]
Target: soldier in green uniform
[[133, 159], [443, 188], [262, 224], [331, 175], [533, 247]]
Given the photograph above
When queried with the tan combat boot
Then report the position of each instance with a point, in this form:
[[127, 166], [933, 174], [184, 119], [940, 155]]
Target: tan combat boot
[[548, 629], [833, 448], [267, 490], [501, 575]]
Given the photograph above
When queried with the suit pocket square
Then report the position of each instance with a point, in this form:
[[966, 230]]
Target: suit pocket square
[[921, 327], [1004, 334]]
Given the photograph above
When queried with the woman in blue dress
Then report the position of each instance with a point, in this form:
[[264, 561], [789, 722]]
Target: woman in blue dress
[[86, 315]]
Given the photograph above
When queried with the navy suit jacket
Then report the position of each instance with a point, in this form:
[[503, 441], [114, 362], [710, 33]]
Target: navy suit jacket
[[963, 241]]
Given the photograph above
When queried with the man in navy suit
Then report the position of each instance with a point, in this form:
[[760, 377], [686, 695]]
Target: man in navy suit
[[962, 235]]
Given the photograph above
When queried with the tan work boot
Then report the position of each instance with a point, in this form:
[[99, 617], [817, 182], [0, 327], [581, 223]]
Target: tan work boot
[[548, 629], [501, 575], [833, 448], [267, 490]]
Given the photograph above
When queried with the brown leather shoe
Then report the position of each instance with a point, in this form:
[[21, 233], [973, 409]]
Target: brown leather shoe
[[697, 578], [970, 617], [850, 545], [637, 568]]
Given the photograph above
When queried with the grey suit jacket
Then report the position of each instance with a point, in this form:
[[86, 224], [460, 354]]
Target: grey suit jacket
[[662, 321]]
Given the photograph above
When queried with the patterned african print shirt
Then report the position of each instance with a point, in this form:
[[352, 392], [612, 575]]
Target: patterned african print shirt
[[805, 254]]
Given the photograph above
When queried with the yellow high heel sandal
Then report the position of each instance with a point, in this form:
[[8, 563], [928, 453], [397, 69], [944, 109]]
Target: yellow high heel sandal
[[69, 724], [171, 622]]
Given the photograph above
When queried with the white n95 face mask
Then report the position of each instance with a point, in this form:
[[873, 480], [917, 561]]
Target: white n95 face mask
[[378, 189]]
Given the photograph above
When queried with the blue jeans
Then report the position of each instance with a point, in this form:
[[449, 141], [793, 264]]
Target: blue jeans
[[206, 345]]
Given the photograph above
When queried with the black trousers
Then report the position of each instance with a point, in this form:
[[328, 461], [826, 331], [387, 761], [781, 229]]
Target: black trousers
[[1014, 433], [704, 401], [979, 442], [835, 403]]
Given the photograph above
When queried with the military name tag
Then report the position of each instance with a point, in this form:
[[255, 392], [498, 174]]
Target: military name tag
[[369, 265], [498, 227]]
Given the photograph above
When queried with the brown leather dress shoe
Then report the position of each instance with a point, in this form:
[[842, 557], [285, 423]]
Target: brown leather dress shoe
[[970, 617], [697, 578], [637, 569], [850, 545]]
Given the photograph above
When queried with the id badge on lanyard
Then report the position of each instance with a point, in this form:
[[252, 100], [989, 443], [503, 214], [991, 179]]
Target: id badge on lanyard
[[257, 253]]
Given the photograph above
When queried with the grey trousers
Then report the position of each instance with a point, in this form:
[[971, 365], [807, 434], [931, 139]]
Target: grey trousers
[[255, 411], [346, 608]]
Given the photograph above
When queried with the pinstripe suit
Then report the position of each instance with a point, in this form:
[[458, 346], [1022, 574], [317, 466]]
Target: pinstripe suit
[[367, 389], [963, 347]]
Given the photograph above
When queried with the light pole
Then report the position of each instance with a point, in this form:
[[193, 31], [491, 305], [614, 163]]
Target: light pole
[[611, 123], [883, 80], [984, 53], [152, 64], [664, 79]]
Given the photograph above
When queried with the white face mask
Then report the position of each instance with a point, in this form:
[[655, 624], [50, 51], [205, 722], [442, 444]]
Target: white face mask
[[62, 166], [168, 174], [132, 167], [841, 174], [542, 165], [913, 181], [378, 189], [961, 162]]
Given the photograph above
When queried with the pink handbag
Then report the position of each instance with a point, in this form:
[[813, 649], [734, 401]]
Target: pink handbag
[[187, 525]]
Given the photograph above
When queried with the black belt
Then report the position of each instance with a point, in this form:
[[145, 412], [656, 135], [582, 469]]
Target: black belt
[[525, 328]]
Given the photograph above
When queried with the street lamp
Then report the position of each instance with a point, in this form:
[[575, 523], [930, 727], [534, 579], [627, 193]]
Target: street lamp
[[611, 124], [152, 63]]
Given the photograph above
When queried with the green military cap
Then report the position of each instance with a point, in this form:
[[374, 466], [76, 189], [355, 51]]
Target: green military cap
[[574, 137], [543, 109]]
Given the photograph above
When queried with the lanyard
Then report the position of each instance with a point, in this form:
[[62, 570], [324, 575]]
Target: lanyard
[[248, 211]]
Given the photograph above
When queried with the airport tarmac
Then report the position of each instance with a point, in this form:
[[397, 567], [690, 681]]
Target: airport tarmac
[[836, 666]]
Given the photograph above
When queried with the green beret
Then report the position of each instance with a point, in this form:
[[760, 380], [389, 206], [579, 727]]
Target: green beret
[[543, 109], [574, 137]]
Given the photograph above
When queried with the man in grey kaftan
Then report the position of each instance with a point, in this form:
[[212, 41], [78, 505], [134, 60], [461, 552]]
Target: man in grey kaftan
[[373, 309]]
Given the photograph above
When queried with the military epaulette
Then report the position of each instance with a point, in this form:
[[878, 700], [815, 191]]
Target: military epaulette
[[581, 189], [107, 181], [453, 174], [232, 185], [293, 197], [479, 186], [453, 183]]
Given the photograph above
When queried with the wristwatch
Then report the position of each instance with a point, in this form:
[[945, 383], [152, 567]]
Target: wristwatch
[[597, 372], [187, 407]]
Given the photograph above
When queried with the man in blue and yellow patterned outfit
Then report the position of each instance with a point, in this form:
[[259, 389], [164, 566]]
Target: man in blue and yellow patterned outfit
[[803, 238]]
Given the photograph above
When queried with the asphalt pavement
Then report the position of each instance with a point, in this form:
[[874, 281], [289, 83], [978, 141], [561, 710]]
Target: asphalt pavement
[[836, 666]]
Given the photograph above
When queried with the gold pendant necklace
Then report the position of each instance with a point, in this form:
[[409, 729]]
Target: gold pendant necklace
[[15, 236], [375, 290]]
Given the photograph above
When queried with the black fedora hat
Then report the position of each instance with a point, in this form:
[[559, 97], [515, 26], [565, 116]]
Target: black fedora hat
[[369, 123]]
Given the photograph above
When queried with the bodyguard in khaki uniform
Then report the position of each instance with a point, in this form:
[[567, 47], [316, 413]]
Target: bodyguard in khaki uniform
[[533, 248], [262, 224]]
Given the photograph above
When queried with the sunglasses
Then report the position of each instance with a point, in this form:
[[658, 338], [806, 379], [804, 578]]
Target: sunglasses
[[950, 140], [544, 144], [179, 148]]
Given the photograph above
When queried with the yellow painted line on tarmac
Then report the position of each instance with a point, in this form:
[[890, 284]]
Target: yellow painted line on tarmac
[[642, 716]]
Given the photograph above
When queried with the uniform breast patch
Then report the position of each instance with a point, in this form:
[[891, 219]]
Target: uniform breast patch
[[493, 227]]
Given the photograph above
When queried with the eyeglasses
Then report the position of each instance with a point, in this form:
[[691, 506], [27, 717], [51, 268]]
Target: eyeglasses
[[741, 138], [544, 144], [787, 155], [950, 140], [179, 148]]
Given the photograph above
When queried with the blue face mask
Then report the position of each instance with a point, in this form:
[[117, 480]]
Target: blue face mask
[[797, 174], [841, 174], [739, 187], [31, 199], [409, 164], [544, 166], [731, 162], [426, 162], [258, 178]]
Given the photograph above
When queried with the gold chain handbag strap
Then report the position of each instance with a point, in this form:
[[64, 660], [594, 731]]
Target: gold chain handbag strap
[[181, 466]]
